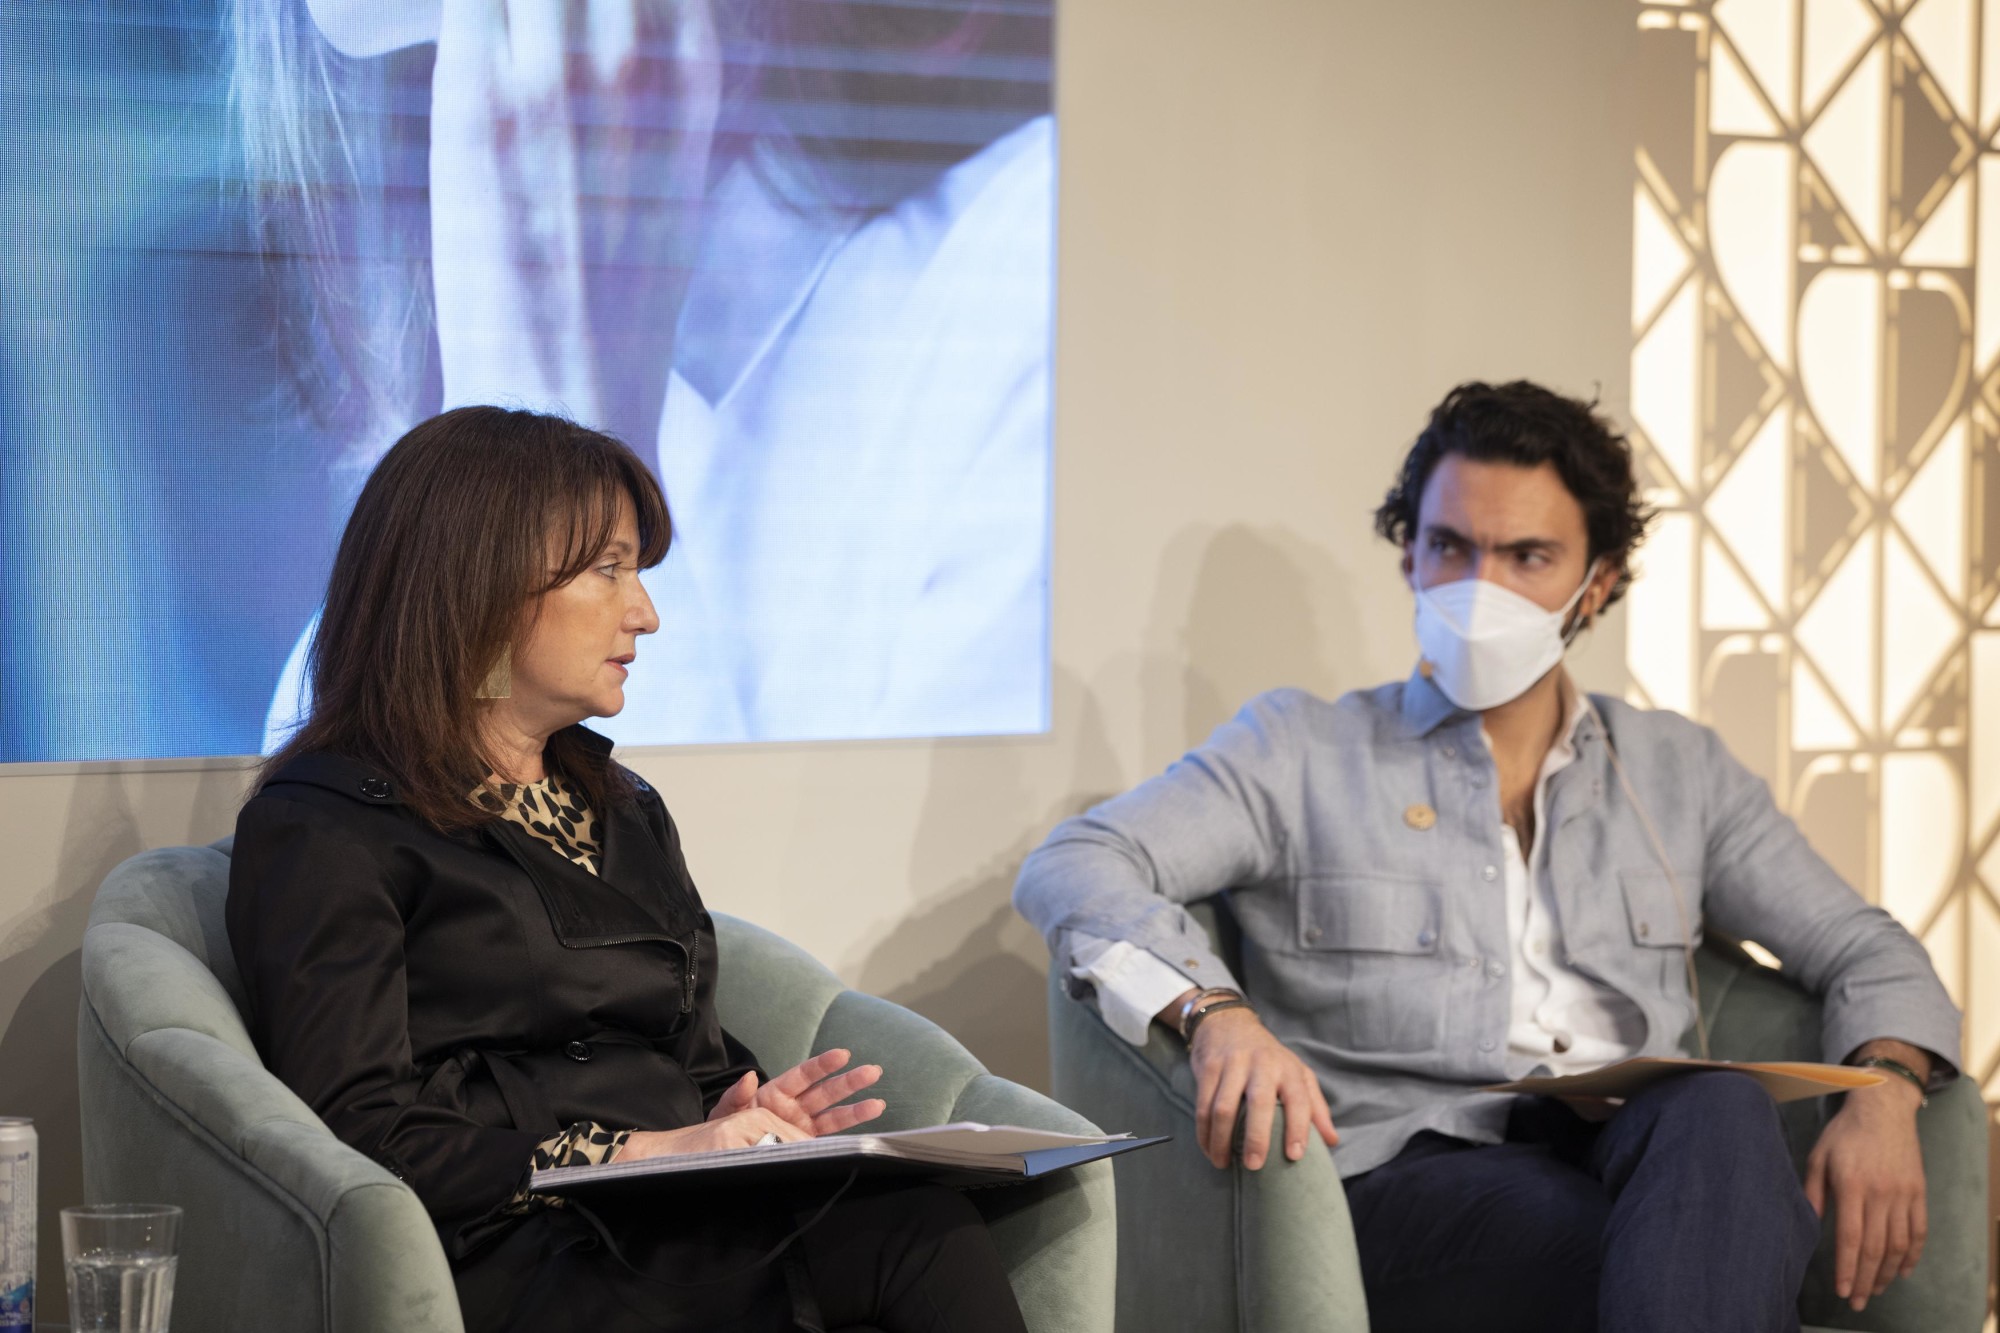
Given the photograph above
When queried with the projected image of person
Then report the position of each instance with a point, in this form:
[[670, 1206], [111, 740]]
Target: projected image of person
[[797, 252]]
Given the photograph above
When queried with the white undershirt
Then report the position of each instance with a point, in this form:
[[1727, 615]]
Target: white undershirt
[[1558, 1017]]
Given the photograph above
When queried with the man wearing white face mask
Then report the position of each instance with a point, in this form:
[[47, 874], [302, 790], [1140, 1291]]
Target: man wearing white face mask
[[1481, 873]]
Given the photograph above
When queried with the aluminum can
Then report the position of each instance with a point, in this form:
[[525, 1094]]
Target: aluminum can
[[17, 1225]]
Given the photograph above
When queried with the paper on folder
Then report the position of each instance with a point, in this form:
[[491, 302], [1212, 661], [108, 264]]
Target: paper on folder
[[1785, 1080]]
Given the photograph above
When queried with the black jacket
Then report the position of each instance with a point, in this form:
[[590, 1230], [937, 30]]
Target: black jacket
[[446, 1001]]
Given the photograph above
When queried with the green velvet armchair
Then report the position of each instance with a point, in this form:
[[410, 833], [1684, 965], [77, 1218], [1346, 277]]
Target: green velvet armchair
[[1272, 1251], [288, 1228]]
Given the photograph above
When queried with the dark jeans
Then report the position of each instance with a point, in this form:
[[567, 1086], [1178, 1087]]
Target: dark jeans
[[1682, 1212]]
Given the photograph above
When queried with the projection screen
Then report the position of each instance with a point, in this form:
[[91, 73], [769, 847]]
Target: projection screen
[[797, 253]]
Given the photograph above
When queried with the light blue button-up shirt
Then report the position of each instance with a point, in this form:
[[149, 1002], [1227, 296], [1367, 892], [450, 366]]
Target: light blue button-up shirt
[[1375, 946]]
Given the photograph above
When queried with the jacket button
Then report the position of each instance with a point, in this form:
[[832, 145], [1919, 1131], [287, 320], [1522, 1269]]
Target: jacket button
[[1312, 933], [1644, 930], [578, 1051], [1425, 939], [375, 789], [1489, 873]]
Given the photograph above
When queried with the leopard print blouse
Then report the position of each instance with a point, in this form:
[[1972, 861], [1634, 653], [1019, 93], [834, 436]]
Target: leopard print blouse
[[551, 810], [554, 812]]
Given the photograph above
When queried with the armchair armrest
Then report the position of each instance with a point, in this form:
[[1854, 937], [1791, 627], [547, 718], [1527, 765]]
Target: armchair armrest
[[1057, 1235], [1947, 1293], [1757, 1013], [1269, 1250], [344, 1245]]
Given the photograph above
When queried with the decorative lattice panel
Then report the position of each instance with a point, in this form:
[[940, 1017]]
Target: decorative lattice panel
[[1816, 317]]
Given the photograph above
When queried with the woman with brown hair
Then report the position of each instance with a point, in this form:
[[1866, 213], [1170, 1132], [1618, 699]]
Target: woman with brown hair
[[472, 946]]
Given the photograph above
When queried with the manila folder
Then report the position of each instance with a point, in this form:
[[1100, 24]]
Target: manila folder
[[1785, 1080]]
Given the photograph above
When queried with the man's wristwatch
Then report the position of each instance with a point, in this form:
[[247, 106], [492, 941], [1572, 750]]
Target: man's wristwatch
[[1202, 1003]]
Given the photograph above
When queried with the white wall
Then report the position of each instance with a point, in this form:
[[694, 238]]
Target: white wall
[[1287, 227]]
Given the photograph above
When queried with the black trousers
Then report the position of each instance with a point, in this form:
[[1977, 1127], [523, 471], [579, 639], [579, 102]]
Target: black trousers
[[1682, 1212], [904, 1259]]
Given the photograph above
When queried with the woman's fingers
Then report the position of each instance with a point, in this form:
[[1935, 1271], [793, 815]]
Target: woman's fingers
[[828, 1092], [739, 1096], [757, 1122], [805, 1073], [848, 1116]]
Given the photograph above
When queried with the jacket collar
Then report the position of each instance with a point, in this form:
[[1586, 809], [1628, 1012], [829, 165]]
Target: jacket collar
[[595, 742], [352, 778], [365, 782], [639, 893], [1425, 708]]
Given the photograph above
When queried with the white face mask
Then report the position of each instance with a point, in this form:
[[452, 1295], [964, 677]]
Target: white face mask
[[1487, 645]]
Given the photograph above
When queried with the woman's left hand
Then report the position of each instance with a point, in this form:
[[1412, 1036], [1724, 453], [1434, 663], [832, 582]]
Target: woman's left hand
[[808, 1095]]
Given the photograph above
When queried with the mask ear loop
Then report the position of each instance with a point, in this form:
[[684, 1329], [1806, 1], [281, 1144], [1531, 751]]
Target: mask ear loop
[[1576, 629], [1673, 880]]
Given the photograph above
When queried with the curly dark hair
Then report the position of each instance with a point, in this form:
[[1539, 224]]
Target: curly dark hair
[[1528, 425]]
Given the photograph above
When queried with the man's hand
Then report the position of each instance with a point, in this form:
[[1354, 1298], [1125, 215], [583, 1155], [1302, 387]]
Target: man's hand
[[1240, 1068], [807, 1095], [1869, 1168]]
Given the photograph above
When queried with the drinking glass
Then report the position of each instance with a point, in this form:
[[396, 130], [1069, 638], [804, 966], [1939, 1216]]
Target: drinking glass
[[118, 1259]]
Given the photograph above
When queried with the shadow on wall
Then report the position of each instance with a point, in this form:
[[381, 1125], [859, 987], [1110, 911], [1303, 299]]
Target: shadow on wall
[[1236, 611], [41, 986], [985, 983]]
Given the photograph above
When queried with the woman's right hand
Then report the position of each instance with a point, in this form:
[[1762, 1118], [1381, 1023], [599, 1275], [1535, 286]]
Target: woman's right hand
[[740, 1130]]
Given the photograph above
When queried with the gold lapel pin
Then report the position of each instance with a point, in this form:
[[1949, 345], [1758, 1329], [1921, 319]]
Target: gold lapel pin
[[1420, 817]]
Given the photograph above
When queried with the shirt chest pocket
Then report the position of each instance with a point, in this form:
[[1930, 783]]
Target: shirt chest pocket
[[1659, 919], [1662, 928], [1369, 947]]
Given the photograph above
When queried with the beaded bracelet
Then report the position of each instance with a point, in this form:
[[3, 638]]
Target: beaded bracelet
[[1899, 1068], [1198, 1008]]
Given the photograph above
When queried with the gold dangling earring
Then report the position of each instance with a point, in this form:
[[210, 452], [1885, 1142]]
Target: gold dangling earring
[[499, 682]]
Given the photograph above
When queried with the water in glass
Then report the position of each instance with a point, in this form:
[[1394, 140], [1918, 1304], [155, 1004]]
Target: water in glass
[[120, 1291]]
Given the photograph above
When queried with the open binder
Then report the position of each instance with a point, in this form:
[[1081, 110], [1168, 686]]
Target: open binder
[[962, 1154]]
